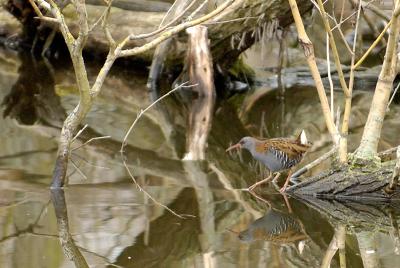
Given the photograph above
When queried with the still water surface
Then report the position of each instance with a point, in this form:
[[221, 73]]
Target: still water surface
[[103, 220]]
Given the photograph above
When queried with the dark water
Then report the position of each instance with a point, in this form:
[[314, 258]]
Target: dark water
[[103, 220]]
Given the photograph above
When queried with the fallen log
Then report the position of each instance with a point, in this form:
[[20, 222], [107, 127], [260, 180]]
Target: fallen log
[[349, 183], [232, 32]]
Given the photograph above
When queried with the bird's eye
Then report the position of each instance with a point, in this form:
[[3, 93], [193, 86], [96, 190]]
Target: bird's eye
[[241, 142]]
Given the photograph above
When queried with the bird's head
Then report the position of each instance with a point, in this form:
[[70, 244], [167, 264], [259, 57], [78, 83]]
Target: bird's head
[[246, 143], [245, 236]]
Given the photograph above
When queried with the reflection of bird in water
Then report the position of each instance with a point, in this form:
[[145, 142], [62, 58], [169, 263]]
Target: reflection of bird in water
[[276, 154], [275, 226]]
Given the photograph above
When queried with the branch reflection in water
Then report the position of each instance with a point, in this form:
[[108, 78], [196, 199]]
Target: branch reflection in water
[[70, 250]]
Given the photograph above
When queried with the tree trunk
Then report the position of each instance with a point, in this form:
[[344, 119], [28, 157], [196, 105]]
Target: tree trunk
[[372, 130], [200, 72]]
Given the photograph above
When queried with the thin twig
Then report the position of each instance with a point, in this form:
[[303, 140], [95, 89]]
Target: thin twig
[[394, 93], [165, 27], [228, 21], [347, 106], [87, 162], [194, 13], [165, 35], [36, 9], [78, 169], [375, 10], [124, 142], [361, 60], [335, 52], [106, 30], [89, 141], [168, 12], [79, 133], [338, 25], [328, 63], [310, 56], [100, 19]]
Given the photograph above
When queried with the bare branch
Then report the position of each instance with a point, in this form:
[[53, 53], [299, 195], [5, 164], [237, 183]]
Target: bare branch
[[163, 28], [90, 140], [104, 25], [101, 18], [334, 48], [309, 53], [314, 163], [79, 132], [80, 8], [361, 60], [394, 93], [79, 170], [347, 106], [56, 12], [200, 7]]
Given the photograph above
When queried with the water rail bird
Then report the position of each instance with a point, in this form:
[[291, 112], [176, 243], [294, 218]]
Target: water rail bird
[[277, 154]]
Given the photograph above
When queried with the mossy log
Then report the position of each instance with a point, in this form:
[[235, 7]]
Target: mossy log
[[349, 184]]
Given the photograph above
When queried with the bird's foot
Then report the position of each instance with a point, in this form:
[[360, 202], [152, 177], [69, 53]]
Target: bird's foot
[[283, 189]]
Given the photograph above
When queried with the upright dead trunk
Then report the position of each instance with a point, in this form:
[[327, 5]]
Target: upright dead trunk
[[372, 131], [200, 71]]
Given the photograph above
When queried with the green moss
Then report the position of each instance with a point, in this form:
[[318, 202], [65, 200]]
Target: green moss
[[365, 164], [241, 71]]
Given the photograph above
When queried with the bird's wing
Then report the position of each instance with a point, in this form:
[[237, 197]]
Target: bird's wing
[[290, 147]]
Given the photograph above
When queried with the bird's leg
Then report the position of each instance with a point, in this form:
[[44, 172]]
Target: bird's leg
[[283, 189], [275, 180], [251, 188]]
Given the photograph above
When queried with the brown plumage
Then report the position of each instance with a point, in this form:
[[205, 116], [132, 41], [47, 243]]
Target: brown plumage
[[276, 154]]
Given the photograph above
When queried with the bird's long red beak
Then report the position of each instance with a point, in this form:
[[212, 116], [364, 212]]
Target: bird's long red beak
[[235, 146]]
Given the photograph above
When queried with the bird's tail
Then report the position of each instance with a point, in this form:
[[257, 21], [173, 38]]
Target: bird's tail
[[302, 138]]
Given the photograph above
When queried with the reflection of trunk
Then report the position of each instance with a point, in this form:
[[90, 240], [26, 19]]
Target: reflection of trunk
[[161, 52], [200, 71], [368, 249], [31, 102], [337, 243], [71, 251], [198, 177]]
